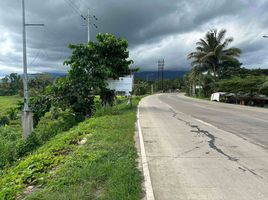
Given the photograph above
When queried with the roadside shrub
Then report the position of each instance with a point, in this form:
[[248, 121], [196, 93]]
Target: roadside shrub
[[4, 121], [107, 97], [49, 127], [40, 105], [141, 88], [27, 145], [12, 113], [13, 147], [7, 146]]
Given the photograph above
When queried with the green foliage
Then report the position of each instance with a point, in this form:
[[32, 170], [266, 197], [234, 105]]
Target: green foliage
[[234, 68], [264, 87], [103, 168], [250, 84], [69, 92], [107, 97], [13, 147], [35, 168], [39, 104], [112, 53], [4, 120], [91, 65], [12, 113], [7, 103], [8, 141], [39, 83], [211, 52], [27, 145], [11, 85], [141, 88], [49, 126]]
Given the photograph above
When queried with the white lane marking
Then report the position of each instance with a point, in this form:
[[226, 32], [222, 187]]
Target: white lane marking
[[146, 172], [203, 122]]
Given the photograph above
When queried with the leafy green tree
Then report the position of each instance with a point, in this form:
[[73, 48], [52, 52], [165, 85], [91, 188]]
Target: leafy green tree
[[212, 52], [90, 66]]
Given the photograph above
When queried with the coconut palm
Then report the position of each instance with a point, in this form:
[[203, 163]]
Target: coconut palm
[[211, 52]]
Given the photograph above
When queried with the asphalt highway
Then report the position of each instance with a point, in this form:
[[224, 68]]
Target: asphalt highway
[[202, 150]]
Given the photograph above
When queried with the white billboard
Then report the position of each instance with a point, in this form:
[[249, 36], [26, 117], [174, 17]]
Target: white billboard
[[123, 84]]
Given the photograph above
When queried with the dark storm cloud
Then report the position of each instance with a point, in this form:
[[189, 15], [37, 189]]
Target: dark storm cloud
[[155, 29]]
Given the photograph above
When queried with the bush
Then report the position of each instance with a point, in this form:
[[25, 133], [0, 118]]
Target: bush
[[13, 147], [7, 145], [49, 127], [39, 105], [12, 113], [27, 145], [4, 121], [107, 97], [141, 88]]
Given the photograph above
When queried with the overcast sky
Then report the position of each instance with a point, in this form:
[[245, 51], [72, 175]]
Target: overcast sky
[[155, 29]]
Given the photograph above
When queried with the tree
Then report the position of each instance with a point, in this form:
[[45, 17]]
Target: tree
[[15, 82], [249, 84], [90, 67], [212, 52]]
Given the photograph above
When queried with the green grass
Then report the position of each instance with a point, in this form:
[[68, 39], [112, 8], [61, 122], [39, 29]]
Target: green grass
[[105, 167], [7, 102]]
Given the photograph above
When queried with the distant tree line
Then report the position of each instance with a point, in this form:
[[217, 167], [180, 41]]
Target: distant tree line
[[142, 87], [13, 84], [10, 84]]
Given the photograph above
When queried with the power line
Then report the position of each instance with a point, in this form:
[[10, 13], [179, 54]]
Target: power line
[[74, 7], [36, 57]]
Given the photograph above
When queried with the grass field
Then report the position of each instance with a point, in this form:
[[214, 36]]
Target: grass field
[[7, 102], [96, 159]]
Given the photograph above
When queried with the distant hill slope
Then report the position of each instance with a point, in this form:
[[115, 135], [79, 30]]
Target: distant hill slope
[[153, 75]]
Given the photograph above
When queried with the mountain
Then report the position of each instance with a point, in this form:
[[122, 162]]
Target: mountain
[[153, 75]]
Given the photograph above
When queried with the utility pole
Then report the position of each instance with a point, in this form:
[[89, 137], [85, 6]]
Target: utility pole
[[27, 116], [89, 18], [161, 64], [88, 26]]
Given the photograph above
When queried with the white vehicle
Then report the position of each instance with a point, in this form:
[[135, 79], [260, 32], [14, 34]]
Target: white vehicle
[[217, 96]]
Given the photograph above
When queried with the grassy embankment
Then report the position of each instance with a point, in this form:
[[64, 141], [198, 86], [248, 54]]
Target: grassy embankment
[[94, 160], [7, 102]]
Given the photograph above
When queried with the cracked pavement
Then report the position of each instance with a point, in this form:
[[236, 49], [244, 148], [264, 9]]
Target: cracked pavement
[[205, 150]]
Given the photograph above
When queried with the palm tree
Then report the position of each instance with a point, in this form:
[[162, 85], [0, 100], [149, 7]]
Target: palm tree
[[211, 52]]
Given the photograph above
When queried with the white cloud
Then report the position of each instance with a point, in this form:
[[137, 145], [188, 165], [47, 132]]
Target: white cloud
[[6, 44]]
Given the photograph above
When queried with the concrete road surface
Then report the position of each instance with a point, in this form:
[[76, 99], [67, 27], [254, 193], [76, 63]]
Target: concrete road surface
[[203, 150]]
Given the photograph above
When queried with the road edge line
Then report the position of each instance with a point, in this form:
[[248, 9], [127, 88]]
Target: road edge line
[[146, 173]]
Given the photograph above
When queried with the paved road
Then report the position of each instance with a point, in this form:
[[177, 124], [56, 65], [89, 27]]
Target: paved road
[[202, 150]]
